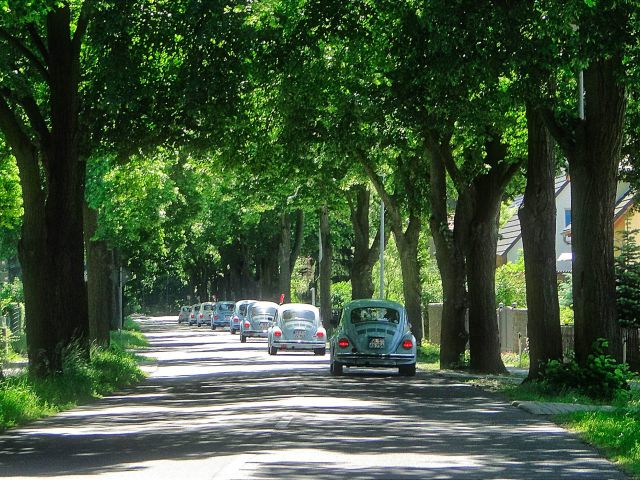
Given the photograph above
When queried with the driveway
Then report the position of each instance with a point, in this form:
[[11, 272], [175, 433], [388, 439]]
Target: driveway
[[214, 408]]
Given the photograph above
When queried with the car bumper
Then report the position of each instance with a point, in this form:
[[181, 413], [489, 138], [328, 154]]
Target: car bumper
[[375, 359], [255, 333], [298, 345], [220, 323]]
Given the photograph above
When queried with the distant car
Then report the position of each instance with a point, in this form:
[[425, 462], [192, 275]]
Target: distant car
[[297, 327], [239, 314], [373, 333], [206, 313], [222, 313], [259, 318], [183, 316], [193, 316]]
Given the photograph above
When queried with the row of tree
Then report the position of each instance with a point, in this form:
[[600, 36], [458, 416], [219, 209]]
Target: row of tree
[[207, 139]]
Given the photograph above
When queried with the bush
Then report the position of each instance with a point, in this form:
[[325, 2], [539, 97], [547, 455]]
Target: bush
[[340, 294], [601, 378], [510, 284]]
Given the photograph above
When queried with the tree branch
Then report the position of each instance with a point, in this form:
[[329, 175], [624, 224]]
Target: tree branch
[[29, 55], [561, 134], [83, 23], [12, 127], [38, 42]]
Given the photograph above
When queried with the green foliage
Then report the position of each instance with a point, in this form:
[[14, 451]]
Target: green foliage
[[392, 274], [10, 293], [565, 292], [602, 377], [24, 398], [10, 204], [510, 284], [429, 353], [340, 294], [628, 281], [566, 315]]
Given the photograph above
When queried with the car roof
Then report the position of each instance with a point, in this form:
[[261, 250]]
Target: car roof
[[264, 303], [301, 306]]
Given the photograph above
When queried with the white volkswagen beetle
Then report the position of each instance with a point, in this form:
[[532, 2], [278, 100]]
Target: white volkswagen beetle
[[297, 326]]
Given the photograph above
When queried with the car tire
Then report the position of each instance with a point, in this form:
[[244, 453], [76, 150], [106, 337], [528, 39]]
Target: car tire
[[320, 351], [243, 339], [233, 332], [336, 368], [273, 350], [213, 327], [407, 370]]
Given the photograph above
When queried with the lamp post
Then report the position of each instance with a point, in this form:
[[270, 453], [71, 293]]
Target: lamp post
[[382, 247]]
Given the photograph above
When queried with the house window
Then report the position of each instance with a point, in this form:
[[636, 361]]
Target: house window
[[567, 217]]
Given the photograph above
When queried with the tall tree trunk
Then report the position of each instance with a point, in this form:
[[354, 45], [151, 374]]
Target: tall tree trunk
[[407, 243], [593, 148], [485, 196], [284, 257], [449, 256], [325, 268], [364, 255], [100, 279], [538, 225], [298, 237]]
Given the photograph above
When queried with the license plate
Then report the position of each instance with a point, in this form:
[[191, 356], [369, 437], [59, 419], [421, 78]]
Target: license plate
[[299, 334], [264, 325], [376, 342]]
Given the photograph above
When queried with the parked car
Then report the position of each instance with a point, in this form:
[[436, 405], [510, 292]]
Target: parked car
[[373, 333], [239, 314], [193, 316], [259, 318], [222, 313], [183, 316], [206, 313], [297, 326]]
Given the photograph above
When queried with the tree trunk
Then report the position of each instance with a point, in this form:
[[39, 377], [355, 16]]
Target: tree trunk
[[325, 268], [450, 258], [284, 258], [593, 165], [593, 147], [297, 240], [364, 255], [407, 243], [538, 225], [100, 278]]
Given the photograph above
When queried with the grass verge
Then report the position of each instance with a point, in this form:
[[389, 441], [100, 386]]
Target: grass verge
[[24, 398]]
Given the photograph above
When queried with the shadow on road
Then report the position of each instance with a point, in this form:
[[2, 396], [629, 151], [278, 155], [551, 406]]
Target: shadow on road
[[235, 412]]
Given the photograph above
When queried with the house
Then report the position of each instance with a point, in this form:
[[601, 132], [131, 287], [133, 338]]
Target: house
[[510, 236]]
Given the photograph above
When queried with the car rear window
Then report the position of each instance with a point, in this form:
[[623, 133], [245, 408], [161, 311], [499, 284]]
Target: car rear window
[[196, 308], [375, 314], [243, 309], [258, 310], [226, 307], [289, 315], [208, 306]]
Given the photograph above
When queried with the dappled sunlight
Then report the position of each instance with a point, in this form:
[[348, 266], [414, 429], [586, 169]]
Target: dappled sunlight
[[218, 409]]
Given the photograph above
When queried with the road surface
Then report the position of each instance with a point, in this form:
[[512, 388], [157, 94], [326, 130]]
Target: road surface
[[213, 408]]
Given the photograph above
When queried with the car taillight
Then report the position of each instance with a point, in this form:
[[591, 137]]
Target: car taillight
[[343, 343], [235, 319], [215, 317], [277, 333], [192, 315], [407, 344], [320, 334], [247, 324], [201, 316]]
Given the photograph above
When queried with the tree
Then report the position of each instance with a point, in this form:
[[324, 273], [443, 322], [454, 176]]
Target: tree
[[39, 109]]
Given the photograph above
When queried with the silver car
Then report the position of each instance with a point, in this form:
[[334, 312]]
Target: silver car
[[239, 314], [373, 333], [205, 314], [183, 316], [193, 316], [222, 313], [297, 327], [259, 318]]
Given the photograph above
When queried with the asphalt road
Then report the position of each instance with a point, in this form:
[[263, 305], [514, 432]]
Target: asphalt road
[[214, 408]]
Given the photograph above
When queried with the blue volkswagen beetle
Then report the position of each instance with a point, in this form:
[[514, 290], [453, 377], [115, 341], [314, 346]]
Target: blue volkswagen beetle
[[373, 333], [257, 320], [239, 314], [297, 327]]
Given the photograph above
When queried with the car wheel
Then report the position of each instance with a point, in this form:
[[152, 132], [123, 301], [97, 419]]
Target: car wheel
[[336, 368], [243, 339], [320, 351], [233, 332], [273, 350], [213, 327], [407, 370]]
